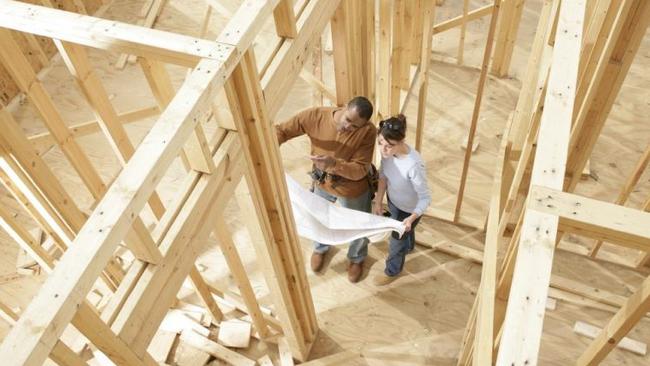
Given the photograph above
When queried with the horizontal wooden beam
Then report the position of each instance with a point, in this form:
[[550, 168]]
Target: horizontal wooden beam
[[109, 35], [457, 21], [43, 141], [596, 219]]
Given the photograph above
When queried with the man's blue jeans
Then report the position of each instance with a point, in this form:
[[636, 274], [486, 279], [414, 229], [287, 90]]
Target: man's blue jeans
[[399, 247], [358, 249]]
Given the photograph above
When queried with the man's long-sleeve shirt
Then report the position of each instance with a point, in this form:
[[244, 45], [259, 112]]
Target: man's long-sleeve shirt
[[352, 150]]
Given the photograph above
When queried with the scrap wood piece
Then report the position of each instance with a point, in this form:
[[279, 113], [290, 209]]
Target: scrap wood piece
[[231, 299], [234, 333], [215, 349], [188, 355], [265, 361], [161, 345], [177, 321], [285, 354], [626, 343]]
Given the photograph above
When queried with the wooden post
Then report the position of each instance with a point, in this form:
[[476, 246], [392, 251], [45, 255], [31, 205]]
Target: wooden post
[[597, 33], [484, 346], [340, 51], [397, 56], [505, 41], [384, 90], [262, 154], [463, 26], [522, 327], [428, 18]]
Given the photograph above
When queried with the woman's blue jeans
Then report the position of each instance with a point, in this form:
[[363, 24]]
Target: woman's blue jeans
[[399, 247]]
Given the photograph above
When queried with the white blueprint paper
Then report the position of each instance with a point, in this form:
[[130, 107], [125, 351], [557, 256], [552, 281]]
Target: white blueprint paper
[[320, 220]]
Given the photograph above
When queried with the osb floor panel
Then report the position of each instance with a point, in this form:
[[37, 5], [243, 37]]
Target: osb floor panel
[[419, 319]]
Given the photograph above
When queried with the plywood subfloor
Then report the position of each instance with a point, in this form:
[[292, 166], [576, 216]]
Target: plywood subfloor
[[419, 319]]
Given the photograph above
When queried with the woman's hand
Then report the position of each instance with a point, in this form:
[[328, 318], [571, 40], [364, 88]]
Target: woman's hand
[[408, 222], [377, 208]]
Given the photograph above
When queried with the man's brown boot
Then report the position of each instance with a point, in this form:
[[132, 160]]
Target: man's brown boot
[[354, 271], [317, 260]]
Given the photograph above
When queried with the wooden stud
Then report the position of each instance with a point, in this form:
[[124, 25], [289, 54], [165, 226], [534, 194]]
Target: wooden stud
[[463, 26], [477, 108], [427, 19], [205, 295], [597, 33], [341, 65], [275, 216], [384, 60], [396, 56], [485, 313], [507, 34], [539, 62], [406, 41], [457, 21]]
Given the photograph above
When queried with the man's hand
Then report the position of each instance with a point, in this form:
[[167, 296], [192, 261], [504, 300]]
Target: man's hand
[[323, 162]]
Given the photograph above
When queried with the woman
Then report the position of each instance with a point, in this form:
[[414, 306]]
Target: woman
[[403, 177]]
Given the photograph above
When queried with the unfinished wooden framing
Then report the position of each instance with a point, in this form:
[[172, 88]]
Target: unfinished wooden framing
[[552, 115], [164, 257], [579, 58]]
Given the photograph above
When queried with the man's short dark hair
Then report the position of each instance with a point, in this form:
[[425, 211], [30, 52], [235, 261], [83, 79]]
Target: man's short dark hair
[[363, 107]]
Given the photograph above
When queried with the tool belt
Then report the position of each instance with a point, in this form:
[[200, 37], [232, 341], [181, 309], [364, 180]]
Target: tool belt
[[319, 176]]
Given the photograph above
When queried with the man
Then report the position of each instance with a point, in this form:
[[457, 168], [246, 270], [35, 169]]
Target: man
[[342, 143]]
